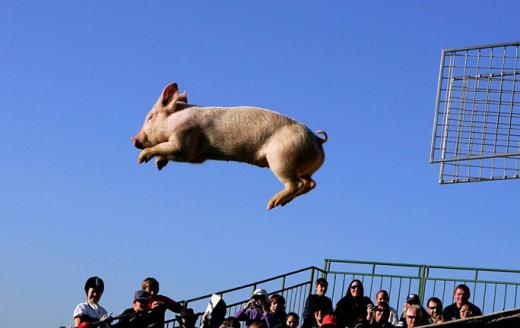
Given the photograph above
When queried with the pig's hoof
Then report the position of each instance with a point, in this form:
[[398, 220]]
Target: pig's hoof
[[160, 163], [143, 157]]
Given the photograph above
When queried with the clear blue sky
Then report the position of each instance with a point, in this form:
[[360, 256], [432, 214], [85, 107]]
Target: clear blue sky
[[77, 79]]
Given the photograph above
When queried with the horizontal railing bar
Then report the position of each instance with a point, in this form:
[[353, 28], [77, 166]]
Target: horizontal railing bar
[[496, 45], [471, 158], [255, 283], [497, 282], [426, 265], [374, 275]]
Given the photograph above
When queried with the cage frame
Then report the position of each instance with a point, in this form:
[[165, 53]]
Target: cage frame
[[483, 165]]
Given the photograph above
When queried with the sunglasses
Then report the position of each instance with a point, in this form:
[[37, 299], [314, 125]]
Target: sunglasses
[[355, 287], [411, 317]]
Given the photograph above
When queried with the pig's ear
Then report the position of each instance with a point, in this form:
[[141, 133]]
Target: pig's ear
[[170, 95]]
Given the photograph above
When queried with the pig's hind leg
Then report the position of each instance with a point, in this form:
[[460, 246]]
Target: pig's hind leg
[[287, 175]]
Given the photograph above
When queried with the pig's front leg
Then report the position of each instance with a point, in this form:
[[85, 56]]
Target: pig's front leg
[[161, 150]]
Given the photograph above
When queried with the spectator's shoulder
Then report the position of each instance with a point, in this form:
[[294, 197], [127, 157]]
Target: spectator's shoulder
[[80, 310], [475, 309], [450, 307]]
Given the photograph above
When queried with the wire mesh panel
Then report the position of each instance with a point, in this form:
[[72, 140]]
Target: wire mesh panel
[[476, 129]]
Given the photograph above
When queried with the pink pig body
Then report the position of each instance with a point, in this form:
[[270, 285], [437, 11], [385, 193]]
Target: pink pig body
[[176, 131]]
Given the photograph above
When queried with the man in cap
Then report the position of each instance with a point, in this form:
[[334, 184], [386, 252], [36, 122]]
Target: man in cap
[[256, 310], [413, 299], [136, 316]]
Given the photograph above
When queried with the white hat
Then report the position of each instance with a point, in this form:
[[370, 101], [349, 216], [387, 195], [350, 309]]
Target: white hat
[[260, 292]]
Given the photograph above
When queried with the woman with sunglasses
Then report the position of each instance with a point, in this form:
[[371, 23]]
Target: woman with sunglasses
[[352, 308]]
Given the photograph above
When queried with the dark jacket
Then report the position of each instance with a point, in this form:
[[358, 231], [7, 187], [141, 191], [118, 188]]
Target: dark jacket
[[452, 312], [314, 301], [350, 310]]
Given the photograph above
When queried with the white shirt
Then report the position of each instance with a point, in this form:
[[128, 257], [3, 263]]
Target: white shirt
[[91, 310]]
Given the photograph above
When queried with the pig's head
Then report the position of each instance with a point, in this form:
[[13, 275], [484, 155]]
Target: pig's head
[[153, 130]]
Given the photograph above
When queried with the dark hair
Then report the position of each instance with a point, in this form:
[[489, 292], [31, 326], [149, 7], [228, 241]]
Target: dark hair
[[436, 300], [151, 283], [382, 291], [323, 282], [292, 314], [279, 299], [464, 287], [349, 294], [231, 322], [96, 283]]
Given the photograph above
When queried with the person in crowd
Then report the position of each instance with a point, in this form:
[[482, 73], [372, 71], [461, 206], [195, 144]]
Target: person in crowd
[[465, 311], [158, 304], [137, 316], [328, 321], [414, 316], [320, 291], [434, 310], [292, 320], [216, 317], [413, 299], [187, 318], [89, 312], [277, 310], [378, 316], [256, 310], [461, 296], [383, 297], [230, 322], [352, 308]]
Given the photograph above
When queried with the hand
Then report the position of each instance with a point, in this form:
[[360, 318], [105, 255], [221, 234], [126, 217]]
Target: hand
[[370, 312], [154, 304], [106, 317]]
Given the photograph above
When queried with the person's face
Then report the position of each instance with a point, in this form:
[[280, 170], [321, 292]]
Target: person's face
[[432, 308], [381, 297], [140, 305], [151, 291], [274, 305], [320, 289], [355, 289], [465, 312], [412, 320], [461, 297], [93, 295], [292, 322], [318, 316]]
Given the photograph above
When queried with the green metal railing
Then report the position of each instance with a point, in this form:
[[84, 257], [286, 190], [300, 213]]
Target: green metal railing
[[491, 289], [294, 286]]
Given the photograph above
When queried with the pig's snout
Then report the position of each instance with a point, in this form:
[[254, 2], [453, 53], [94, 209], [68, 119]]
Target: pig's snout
[[138, 141]]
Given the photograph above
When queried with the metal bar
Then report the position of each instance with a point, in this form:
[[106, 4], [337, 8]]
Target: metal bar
[[505, 297], [437, 105], [484, 297], [470, 158], [496, 45]]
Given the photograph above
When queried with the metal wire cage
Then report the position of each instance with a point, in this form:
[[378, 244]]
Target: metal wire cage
[[476, 128]]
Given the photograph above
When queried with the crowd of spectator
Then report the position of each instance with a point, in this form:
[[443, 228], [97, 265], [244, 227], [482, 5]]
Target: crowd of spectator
[[354, 310]]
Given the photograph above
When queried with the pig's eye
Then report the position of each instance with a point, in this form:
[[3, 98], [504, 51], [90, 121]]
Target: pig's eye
[[150, 116]]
